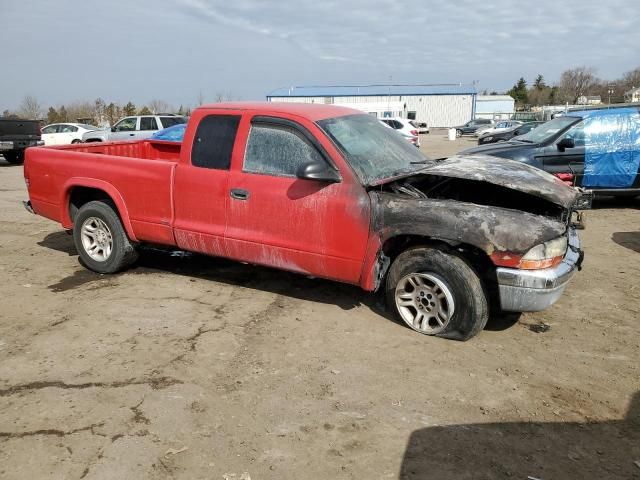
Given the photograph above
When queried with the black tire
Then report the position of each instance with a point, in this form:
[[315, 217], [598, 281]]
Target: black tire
[[470, 306], [14, 157], [458, 133], [123, 252], [74, 141]]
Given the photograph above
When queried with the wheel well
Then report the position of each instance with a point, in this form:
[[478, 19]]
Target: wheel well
[[474, 256], [81, 195]]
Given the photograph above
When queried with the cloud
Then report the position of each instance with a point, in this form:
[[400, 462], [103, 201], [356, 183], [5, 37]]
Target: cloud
[[401, 35]]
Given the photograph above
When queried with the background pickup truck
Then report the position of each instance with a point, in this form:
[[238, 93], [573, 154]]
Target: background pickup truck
[[15, 136], [328, 192]]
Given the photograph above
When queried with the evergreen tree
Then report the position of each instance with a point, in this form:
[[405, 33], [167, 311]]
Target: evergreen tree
[[129, 109], [52, 115], [145, 111]]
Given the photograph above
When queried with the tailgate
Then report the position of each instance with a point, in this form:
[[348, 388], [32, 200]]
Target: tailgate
[[15, 129]]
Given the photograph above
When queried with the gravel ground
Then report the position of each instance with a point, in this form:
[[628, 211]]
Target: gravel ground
[[199, 368]]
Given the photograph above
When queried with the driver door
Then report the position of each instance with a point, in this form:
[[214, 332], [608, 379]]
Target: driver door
[[279, 220], [556, 159], [125, 129]]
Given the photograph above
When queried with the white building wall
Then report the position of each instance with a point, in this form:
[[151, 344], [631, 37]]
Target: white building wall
[[435, 110]]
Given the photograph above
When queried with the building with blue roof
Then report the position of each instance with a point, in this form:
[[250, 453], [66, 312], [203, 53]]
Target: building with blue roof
[[440, 105]]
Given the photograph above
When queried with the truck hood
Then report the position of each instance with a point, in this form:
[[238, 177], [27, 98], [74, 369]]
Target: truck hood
[[506, 173], [497, 148]]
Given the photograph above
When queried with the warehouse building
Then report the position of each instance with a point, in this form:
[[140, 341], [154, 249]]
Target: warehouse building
[[436, 105], [495, 107]]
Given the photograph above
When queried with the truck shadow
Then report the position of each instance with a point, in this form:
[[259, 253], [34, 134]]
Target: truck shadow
[[229, 272], [630, 240], [521, 450]]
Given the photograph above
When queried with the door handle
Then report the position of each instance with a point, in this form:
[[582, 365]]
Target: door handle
[[239, 194], [131, 134]]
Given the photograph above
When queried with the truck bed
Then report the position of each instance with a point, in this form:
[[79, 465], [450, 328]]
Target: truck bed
[[144, 149], [137, 175]]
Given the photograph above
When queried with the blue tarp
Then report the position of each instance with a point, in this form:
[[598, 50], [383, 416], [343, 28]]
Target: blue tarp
[[612, 147], [171, 134]]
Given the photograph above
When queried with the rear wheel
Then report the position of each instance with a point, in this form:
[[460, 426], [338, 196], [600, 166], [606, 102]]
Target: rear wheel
[[436, 293], [100, 238], [75, 141], [458, 133], [14, 157]]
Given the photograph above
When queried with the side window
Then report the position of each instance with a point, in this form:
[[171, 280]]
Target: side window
[[576, 133], [50, 129], [277, 150], [213, 143], [171, 121], [126, 125], [148, 123], [68, 129]]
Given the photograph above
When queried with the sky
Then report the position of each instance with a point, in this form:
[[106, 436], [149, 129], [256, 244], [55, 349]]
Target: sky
[[141, 50]]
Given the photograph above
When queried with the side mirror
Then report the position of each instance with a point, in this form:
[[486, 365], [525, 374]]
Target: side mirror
[[320, 172], [113, 129], [566, 143]]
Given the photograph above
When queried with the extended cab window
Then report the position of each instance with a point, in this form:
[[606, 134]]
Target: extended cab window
[[126, 125], [213, 143], [148, 123], [277, 150]]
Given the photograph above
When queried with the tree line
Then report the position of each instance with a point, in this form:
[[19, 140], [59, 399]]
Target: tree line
[[98, 112], [572, 85]]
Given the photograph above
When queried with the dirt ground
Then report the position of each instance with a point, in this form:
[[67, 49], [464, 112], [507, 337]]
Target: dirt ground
[[198, 368]]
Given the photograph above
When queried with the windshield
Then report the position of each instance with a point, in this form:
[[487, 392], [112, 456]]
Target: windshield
[[374, 151], [547, 130]]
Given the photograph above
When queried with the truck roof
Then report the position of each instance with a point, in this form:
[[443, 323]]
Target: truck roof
[[312, 111]]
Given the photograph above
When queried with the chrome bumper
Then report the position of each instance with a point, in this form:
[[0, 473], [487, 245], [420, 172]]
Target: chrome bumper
[[535, 290]]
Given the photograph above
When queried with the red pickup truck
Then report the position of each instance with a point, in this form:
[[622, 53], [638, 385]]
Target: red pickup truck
[[327, 192]]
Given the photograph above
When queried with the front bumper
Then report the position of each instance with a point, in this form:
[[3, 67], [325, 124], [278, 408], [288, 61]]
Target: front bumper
[[535, 290]]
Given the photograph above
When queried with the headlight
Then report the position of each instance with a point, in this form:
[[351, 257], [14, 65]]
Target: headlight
[[545, 255], [487, 139]]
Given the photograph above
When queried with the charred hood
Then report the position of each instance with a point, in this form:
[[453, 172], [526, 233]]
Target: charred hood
[[509, 174]]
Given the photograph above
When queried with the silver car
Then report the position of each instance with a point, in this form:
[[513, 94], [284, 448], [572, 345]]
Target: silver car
[[134, 128]]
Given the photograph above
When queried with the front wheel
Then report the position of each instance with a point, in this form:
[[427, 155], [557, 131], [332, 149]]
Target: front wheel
[[436, 293], [100, 238], [458, 133]]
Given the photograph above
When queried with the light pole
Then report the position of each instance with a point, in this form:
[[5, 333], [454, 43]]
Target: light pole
[[610, 91]]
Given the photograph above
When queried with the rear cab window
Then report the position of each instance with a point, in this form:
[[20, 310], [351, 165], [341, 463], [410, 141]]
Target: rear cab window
[[214, 140]]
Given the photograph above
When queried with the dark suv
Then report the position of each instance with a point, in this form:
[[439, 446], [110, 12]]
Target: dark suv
[[597, 149], [472, 125]]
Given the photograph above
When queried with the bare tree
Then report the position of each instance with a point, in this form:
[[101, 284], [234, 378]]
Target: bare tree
[[159, 106], [31, 108], [200, 99], [631, 79], [577, 82]]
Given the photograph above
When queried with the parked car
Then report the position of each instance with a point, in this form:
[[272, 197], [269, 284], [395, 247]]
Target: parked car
[[422, 127], [472, 125], [498, 127], [507, 134], [65, 133], [597, 149], [404, 128], [324, 191], [134, 128], [171, 134], [16, 135]]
